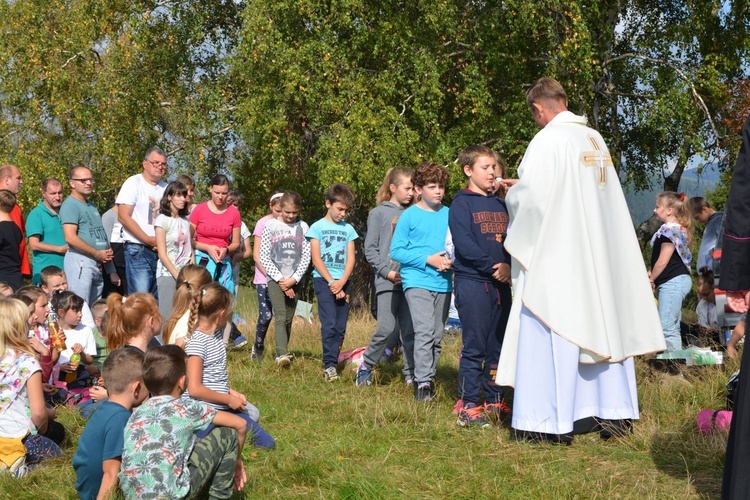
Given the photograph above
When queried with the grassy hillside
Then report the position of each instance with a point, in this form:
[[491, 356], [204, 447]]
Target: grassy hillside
[[336, 440]]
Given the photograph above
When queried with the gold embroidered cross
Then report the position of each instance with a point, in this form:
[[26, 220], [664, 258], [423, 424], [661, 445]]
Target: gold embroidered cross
[[598, 158]]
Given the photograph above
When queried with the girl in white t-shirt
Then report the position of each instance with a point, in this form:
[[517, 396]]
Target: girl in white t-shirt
[[79, 339], [24, 417], [173, 244]]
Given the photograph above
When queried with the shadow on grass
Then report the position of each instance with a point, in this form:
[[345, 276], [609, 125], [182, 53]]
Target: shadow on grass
[[679, 455]]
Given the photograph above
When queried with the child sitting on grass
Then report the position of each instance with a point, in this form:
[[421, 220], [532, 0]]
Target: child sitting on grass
[[134, 321], [332, 249], [208, 380], [98, 457], [79, 340], [163, 457], [179, 325], [24, 417]]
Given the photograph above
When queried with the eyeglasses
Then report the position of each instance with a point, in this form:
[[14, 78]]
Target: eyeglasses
[[88, 180], [157, 164]]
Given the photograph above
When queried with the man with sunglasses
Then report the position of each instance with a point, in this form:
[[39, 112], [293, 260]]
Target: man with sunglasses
[[87, 240], [138, 203]]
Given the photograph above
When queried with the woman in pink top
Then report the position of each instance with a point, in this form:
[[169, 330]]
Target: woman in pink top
[[215, 226]]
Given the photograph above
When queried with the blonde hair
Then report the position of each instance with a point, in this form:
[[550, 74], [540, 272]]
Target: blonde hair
[[546, 91], [680, 204], [395, 176], [14, 329], [189, 281], [127, 316], [210, 301]]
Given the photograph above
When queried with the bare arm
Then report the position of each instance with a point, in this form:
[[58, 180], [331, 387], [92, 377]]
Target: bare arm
[[125, 216], [109, 481], [70, 231], [199, 391], [161, 250], [667, 249], [235, 244], [36, 402], [39, 246], [317, 260]]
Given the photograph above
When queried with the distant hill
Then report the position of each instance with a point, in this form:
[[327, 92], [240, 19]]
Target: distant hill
[[692, 183]]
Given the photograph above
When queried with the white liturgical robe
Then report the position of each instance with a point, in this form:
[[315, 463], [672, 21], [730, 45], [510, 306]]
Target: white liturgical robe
[[576, 263]]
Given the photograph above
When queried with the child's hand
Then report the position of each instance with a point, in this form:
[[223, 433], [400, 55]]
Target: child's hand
[[239, 395], [289, 292], [336, 286], [77, 348], [68, 368], [394, 277], [240, 476], [502, 272], [38, 346], [98, 393], [287, 283], [48, 388], [236, 403], [340, 295], [436, 260]]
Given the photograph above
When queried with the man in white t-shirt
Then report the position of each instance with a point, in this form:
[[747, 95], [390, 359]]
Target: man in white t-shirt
[[138, 206]]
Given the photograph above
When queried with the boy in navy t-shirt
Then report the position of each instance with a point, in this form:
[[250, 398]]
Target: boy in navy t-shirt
[[332, 248], [98, 457]]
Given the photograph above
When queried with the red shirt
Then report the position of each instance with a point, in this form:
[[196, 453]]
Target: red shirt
[[17, 217], [214, 229]]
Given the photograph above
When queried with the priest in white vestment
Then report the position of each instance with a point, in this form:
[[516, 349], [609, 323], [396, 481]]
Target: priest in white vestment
[[582, 305]]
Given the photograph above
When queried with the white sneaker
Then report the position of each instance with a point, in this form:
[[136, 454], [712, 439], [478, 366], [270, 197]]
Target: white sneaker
[[330, 374], [284, 361]]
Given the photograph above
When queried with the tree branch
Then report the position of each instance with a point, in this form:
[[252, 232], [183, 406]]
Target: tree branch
[[685, 78]]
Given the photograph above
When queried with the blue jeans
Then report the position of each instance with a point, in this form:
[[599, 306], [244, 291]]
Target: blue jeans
[[333, 314], [140, 268], [671, 295], [84, 276]]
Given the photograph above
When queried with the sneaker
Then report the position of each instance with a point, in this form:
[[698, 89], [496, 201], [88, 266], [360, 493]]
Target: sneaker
[[240, 341], [424, 393], [458, 407], [364, 377], [330, 374], [409, 381], [471, 416], [284, 361], [257, 353], [497, 410]]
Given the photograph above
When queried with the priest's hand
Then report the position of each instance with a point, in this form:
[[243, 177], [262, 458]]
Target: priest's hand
[[508, 183], [739, 301], [502, 272]]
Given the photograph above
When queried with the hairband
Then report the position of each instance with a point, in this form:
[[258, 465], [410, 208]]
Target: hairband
[[203, 292], [277, 195], [682, 196], [124, 299]]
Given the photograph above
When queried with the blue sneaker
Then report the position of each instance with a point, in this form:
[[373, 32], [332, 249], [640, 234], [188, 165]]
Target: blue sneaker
[[364, 377], [240, 341]]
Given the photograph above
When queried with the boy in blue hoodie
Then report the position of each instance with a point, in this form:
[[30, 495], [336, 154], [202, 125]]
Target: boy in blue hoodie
[[478, 222]]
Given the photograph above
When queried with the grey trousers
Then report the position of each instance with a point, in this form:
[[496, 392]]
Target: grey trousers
[[429, 310], [283, 313], [393, 319]]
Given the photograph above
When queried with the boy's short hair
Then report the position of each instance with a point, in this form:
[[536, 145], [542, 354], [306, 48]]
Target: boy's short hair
[[546, 89], [121, 368], [7, 201], [50, 272], [340, 193], [430, 172], [697, 203], [186, 180], [468, 156], [162, 368], [235, 196], [98, 308]]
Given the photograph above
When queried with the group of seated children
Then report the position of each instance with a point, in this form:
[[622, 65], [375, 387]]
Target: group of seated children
[[49, 357]]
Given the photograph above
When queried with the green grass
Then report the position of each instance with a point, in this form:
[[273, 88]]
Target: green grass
[[335, 440]]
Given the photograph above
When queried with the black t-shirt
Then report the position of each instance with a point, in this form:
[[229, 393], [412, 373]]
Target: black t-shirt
[[10, 258], [674, 268]]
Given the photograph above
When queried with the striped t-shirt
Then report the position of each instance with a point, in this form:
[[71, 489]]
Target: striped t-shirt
[[210, 348]]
